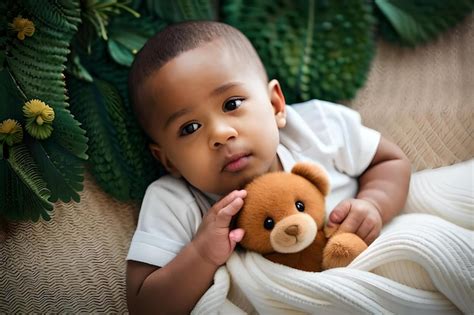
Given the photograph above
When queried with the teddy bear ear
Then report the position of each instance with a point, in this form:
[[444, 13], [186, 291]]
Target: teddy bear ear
[[313, 173]]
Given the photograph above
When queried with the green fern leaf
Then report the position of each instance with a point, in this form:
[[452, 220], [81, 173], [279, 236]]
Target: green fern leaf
[[63, 180], [75, 68], [68, 133], [27, 61], [39, 62], [138, 167], [181, 10], [3, 32], [92, 103], [119, 48], [411, 22], [56, 181], [127, 35], [60, 15], [24, 194], [142, 167], [10, 98], [70, 166], [316, 49], [37, 65]]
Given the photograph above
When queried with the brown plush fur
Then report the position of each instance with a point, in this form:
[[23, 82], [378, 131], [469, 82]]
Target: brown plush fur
[[297, 238]]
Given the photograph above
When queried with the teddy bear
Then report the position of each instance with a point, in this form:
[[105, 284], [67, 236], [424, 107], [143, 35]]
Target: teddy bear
[[284, 219]]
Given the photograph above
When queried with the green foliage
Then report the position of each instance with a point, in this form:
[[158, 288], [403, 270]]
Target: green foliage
[[138, 166], [127, 35], [183, 10], [60, 17], [94, 103], [11, 99], [25, 194], [75, 68], [3, 32], [51, 169], [71, 167], [412, 22], [37, 64], [97, 13], [316, 49]]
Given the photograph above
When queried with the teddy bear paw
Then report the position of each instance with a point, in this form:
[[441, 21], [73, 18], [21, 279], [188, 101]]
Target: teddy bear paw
[[341, 249]]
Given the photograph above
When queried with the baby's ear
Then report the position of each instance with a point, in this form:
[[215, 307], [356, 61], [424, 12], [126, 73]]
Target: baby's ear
[[278, 102], [160, 155], [313, 173]]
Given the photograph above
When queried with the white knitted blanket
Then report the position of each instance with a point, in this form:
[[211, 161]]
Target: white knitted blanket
[[422, 263]]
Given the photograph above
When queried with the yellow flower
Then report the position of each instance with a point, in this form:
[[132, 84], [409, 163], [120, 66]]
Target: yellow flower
[[23, 27], [39, 119], [10, 132]]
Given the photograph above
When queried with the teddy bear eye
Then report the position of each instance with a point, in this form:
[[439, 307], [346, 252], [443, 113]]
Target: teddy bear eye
[[268, 223], [300, 206]]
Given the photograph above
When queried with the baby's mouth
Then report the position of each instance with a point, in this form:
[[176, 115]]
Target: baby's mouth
[[236, 162]]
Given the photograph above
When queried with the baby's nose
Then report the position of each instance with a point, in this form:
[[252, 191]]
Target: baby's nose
[[221, 135]]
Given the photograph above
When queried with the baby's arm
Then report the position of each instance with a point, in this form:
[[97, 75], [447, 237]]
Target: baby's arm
[[383, 190], [177, 287]]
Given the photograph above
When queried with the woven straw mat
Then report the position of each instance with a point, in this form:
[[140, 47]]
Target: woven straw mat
[[423, 98], [75, 263]]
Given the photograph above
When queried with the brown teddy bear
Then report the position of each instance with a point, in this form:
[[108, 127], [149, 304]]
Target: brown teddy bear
[[283, 217]]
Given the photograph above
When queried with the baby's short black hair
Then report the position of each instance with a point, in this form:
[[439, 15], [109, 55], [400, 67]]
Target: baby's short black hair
[[176, 39]]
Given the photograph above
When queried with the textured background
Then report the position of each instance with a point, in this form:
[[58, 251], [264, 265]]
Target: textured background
[[74, 263], [423, 99]]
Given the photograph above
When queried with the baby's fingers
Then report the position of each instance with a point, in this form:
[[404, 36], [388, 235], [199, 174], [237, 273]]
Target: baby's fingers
[[365, 228], [340, 212], [352, 223], [372, 235], [224, 216], [224, 202], [236, 235]]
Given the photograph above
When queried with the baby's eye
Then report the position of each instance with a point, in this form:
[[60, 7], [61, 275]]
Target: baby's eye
[[189, 129], [231, 105]]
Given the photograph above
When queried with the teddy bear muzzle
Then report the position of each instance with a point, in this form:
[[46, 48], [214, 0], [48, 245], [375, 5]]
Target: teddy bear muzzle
[[294, 233]]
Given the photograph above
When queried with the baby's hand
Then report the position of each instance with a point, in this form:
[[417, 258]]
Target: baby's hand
[[214, 240], [358, 216]]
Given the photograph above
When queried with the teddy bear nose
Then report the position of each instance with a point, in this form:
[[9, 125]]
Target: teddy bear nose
[[292, 230]]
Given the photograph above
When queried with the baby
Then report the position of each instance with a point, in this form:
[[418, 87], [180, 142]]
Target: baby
[[215, 122]]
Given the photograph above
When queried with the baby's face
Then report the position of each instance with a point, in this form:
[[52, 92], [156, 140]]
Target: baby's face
[[217, 120]]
